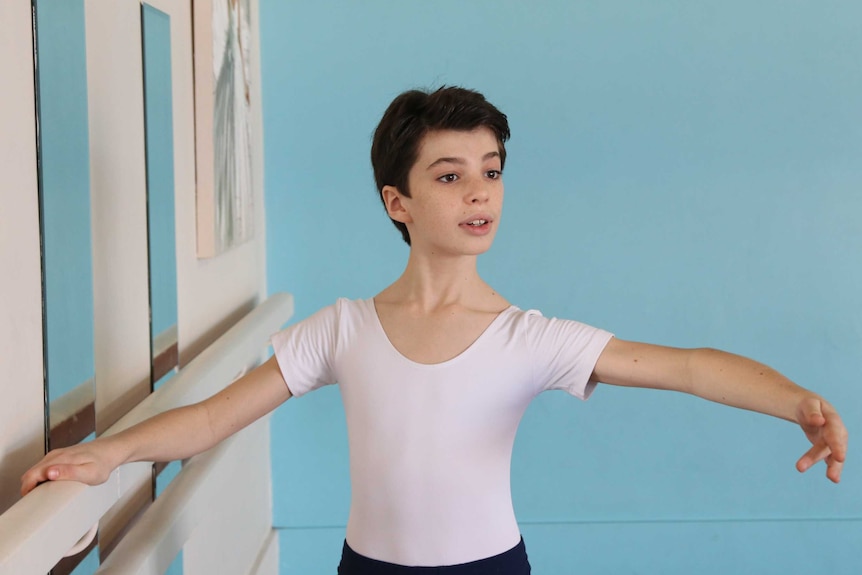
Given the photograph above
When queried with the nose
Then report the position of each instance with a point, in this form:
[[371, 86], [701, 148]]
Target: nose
[[477, 193]]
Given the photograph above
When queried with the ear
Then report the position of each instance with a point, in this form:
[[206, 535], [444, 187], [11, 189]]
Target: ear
[[395, 203]]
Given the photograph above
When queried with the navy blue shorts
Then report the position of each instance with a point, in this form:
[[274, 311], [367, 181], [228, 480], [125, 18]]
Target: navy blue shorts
[[511, 562]]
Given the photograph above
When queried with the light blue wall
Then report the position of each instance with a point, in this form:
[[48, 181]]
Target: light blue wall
[[680, 173]]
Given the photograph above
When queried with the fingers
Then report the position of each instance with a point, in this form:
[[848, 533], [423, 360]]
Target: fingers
[[29, 482], [824, 428], [827, 450], [835, 433], [85, 473], [818, 452], [810, 413], [89, 473], [833, 469], [63, 465], [32, 480], [39, 473], [833, 466], [65, 472]]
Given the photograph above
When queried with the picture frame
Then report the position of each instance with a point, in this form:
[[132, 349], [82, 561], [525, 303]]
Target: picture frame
[[223, 138]]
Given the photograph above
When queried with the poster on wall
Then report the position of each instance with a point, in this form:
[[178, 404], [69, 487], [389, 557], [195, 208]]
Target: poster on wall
[[224, 194]]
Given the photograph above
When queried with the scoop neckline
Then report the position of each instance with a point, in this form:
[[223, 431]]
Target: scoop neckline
[[466, 351]]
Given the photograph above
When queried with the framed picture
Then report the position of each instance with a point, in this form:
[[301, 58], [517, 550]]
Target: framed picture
[[222, 44]]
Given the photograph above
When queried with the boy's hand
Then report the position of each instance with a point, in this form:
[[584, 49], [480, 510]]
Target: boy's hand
[[826, 432], [84, 462]]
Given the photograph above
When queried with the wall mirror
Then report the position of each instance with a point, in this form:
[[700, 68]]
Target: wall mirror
[[64, 198], [161, 220], [64, 203], [65, 220]]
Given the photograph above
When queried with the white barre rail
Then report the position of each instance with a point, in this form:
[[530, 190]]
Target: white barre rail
[[39, 529], [151, 545]]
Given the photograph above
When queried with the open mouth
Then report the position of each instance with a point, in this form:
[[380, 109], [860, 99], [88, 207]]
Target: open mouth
[[477, 223]]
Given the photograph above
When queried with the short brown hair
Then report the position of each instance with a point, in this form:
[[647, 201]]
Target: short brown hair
[[411, 116]]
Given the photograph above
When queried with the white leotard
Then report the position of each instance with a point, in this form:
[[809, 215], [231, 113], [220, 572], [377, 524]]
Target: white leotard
[[431, 445]]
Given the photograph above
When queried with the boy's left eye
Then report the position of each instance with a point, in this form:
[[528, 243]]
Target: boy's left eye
[[493, 174]]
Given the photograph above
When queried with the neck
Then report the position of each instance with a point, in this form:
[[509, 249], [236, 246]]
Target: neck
[[434, 282]]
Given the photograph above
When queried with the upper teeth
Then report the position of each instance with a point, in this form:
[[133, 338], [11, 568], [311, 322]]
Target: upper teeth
[[477, 222]]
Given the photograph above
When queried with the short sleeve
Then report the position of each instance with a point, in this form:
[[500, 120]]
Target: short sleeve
[[564, 353], [305, 351]]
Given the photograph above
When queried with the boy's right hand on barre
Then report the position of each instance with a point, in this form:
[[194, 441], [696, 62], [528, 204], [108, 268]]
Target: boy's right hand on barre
[[89, 463], [174, 434]]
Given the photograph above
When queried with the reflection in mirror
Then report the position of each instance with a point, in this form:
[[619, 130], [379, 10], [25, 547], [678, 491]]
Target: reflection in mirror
[[156, 33], [64, 194], [64, 201], [158, 113]]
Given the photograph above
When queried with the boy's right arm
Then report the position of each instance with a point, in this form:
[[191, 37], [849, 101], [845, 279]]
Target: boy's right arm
[[175, 434]]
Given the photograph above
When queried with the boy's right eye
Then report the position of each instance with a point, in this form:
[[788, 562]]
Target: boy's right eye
[[448, 178]]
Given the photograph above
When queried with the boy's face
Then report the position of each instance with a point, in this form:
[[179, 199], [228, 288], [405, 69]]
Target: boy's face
[[456, 193]]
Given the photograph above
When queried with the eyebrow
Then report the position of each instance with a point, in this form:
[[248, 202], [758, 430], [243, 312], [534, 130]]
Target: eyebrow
[[449, 160]]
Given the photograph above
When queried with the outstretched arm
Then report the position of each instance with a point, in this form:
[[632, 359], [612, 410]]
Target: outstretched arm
[[175, 434], [732, 380]]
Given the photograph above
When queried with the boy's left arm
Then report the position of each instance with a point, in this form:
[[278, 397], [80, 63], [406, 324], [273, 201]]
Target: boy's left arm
[[733, 380]]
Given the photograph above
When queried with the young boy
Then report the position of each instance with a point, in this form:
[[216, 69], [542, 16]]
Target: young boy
[[436, 370]]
